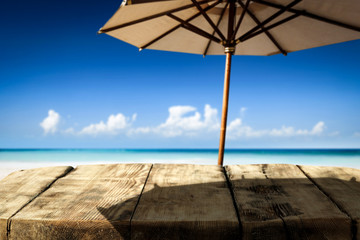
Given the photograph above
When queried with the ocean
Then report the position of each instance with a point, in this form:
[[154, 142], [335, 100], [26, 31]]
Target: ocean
[[45, 157]]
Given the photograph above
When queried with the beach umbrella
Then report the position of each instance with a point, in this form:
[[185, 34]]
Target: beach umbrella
[[234, 27]]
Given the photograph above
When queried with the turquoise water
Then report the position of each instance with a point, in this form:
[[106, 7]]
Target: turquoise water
[[322, 157]]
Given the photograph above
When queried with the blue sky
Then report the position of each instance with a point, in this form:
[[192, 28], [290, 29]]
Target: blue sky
[[64, 86]]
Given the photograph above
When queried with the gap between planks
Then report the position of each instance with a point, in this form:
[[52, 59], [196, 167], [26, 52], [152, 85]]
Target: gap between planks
[[229, 185], [353, 222], [138, 201], [8, 222], [233, 197]]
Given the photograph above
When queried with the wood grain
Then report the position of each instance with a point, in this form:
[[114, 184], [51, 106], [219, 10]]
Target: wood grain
[[181, 202], [92, 202], [279, 202], [20, 187], [342, 185], [185, 202]]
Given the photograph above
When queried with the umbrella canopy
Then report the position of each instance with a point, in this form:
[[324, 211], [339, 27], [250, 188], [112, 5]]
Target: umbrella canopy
[[234, 27]]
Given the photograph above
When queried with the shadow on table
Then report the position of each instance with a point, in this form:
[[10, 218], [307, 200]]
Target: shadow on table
[[264, 206]]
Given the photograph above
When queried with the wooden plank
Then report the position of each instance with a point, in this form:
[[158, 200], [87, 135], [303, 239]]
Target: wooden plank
[[185, 202], [92, 202], [20, 187], [279, 202], [342, 185]]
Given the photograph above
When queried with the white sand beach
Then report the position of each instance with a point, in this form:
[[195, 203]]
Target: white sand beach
[[13, 160], [6, 171], [9, 167]]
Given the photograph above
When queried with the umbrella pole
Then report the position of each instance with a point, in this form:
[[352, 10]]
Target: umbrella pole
[[229, 52]]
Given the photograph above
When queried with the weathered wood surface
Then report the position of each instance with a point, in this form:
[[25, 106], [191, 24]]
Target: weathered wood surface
[[21, 187], [185, 202], [342, 185], [279, 202], [165, 201], [91, 202]]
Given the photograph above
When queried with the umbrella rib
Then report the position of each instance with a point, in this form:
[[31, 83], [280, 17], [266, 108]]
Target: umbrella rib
[[217, 30], [240, 19], [176, 27], [217, 25], [311, 15], [150, 17], [194, 29], [270, 27], [268, 34], [269, 19], [232, 14]]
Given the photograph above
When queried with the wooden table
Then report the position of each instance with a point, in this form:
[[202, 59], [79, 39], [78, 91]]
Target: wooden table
[[179, 201]]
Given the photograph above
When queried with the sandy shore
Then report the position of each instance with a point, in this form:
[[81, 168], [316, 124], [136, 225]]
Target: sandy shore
[[6, 171], [9, 167]]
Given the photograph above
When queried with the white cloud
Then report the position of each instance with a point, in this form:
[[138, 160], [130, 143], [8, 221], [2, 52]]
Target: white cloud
[[51, 122], [333, 134], [179, 123], [356, 134], [142, 130], [318, 128], [186, 120], [114, 125], [237, 130], [134, 116], [242, 111], [69, 131], [183, 121], [285, 131]]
